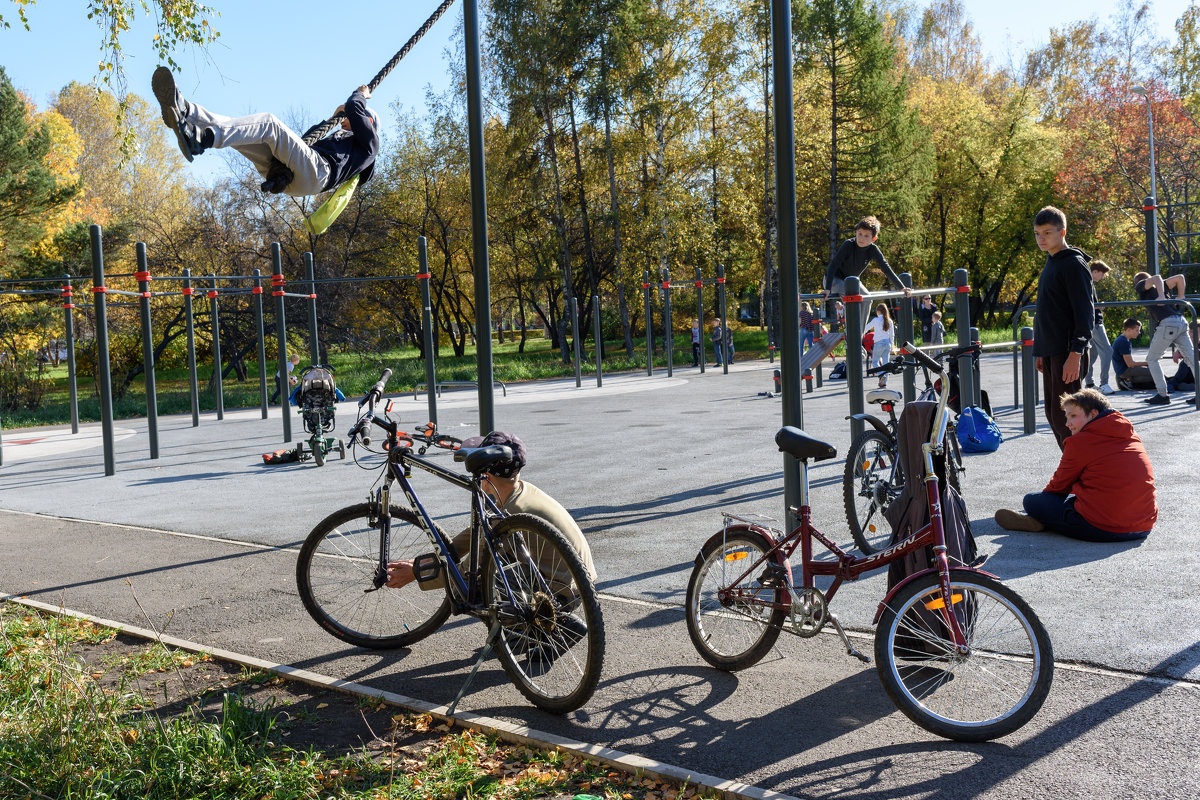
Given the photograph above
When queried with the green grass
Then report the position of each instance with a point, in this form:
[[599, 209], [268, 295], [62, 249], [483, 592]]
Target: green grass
[[63, 734]]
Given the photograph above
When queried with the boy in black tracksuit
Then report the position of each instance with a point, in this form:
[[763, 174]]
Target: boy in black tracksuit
[[1065, 316]]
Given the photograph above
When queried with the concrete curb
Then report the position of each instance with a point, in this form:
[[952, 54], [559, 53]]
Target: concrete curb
[[518, 734]]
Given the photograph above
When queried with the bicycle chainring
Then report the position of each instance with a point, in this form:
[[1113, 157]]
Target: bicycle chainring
[[809, 612]]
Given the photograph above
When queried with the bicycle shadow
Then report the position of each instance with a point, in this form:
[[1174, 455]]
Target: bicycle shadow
[[861, 774]]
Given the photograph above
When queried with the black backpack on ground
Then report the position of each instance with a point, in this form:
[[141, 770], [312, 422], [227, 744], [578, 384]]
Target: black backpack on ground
[[838, 373]]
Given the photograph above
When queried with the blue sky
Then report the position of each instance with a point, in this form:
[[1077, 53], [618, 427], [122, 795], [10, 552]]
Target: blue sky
[[301, 58]]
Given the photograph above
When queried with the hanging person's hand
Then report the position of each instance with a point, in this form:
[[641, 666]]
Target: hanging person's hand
[[365, 91]]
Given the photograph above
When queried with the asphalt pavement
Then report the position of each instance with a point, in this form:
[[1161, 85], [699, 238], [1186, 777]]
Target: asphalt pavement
[[202, 540]]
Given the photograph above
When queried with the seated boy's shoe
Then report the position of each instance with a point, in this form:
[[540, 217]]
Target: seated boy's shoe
[[1191, 401], [1157, 400], [1089, 385], [1105, 389], [1124, 385], [1016, 521]]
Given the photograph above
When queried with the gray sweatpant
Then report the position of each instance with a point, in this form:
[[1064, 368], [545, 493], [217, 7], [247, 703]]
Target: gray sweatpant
[[1099, 347], [1172, 330], [258, 137]]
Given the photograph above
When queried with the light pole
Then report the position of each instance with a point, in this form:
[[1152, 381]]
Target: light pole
[[1139, 89]]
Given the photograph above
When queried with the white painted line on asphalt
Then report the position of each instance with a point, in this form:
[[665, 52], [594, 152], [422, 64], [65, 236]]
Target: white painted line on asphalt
[[632, 601], [31, 444], [519, 734]]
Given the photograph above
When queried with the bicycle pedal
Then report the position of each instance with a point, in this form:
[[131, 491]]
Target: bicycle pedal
[[426, 568]]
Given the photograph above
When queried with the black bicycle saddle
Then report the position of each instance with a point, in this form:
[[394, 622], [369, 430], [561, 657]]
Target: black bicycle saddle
[[799, 444], [481, 459]]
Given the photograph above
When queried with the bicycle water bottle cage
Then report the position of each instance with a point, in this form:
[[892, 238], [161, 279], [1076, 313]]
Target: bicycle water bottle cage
[[799, 444], [481, 459]]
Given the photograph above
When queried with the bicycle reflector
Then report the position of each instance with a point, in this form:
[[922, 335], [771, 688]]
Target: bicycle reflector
[[940, 603], [388, 410], [738, 556]]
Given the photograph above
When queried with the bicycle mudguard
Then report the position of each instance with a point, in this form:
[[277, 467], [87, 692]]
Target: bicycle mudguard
[[767, 543], [887, 599], [875, 421]]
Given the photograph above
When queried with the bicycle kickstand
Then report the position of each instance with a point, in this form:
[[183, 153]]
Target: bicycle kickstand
[[850, 650], [483, 654]]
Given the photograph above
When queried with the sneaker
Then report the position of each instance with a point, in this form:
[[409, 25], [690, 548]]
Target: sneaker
[[1124, 385], [1191, 401], [1157, 400], [1105, 389], [1016, 521], [174, 113]]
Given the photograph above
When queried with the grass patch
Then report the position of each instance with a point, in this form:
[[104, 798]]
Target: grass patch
[[86, 714]]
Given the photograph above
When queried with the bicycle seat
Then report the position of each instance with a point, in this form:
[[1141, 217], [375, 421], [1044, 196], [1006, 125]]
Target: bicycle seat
[[799, 444], [883, 396], [482, 459]]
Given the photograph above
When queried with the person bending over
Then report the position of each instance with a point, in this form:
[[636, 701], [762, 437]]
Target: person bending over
[[1172, 329], [513, 496], [1103, 489], [260, 137]]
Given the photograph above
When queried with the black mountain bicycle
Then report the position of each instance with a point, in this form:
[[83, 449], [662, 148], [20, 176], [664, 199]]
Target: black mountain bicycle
[[521, 576]]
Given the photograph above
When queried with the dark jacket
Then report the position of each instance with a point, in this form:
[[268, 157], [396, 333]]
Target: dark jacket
[[1065, 314], [850, 259], [1106, 467], [352, 152]]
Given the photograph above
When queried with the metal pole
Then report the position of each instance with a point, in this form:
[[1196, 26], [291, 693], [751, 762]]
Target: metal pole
[[976, 397], [193, 381], [103, 375], [649, 312], [1030, 382], [427, 330], [668, 326], [575, 341], [314, 350], [262, 343], [483, 301], [277, 290], [69, 335], [905, 324], [700, 316], [1150, 211], [598, 336], [852, 300], [147, 348], [218, 382], [962, 323], [1153, 184], [786, 252], [725, 334]]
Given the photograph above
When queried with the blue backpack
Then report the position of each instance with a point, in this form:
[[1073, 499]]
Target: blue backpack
[[977, 432]]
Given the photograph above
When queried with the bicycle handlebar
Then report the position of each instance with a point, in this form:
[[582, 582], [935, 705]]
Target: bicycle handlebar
[[929, 363], [375, 392]]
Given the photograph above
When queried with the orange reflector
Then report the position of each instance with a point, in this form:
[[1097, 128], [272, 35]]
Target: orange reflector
[[871, 528], [866, 465], [937, 605], [736, 556]]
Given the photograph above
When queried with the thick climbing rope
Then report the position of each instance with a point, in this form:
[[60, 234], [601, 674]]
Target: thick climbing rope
[[321, 129]]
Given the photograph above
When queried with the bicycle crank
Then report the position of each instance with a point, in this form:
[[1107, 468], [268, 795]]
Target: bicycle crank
[[809, 612]]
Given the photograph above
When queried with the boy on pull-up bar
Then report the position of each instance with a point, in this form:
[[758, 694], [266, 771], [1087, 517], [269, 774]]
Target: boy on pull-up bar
[[260, 137]]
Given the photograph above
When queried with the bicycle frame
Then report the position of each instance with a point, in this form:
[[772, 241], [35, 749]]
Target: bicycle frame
[[849, 567], [465, 592]]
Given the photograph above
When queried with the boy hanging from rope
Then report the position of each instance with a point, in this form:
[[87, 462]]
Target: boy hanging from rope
[[326, 165]]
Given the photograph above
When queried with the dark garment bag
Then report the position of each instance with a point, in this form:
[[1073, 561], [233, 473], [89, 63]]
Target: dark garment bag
[[910, 511]]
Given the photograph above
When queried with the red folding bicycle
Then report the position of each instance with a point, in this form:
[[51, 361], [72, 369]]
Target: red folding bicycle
[[960, 653]]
